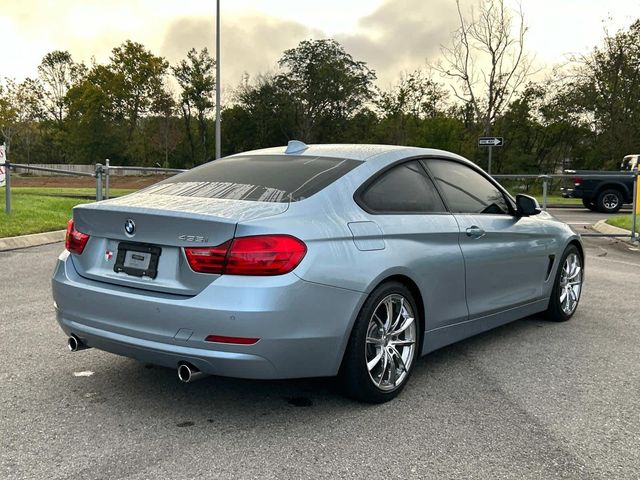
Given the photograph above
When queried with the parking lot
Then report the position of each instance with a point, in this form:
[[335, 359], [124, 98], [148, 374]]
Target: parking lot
[[532, 399]]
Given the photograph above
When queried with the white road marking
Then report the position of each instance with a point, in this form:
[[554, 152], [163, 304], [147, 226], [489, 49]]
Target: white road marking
[[86, 373]]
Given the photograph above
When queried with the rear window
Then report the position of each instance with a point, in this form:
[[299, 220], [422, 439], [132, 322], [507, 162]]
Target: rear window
[[264, 178]]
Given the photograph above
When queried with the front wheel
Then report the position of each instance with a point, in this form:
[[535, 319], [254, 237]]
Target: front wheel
[[567, 286], [383, 345]]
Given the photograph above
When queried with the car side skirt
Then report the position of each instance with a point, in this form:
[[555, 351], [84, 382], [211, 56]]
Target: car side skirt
[[441, 337]]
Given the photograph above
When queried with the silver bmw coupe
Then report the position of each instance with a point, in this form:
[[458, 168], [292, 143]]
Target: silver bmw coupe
[[304, 261]]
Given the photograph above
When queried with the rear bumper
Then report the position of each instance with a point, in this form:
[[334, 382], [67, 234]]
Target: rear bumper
[[303, 327], [571, 193]]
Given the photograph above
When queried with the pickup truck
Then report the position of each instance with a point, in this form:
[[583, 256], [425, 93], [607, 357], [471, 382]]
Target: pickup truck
[[601, 191]]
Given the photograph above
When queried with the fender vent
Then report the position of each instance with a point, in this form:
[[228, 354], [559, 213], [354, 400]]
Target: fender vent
[[550, 267]]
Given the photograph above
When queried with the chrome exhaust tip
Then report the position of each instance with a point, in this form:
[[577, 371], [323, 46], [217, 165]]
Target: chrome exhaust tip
[[74, 344], [187, 373]]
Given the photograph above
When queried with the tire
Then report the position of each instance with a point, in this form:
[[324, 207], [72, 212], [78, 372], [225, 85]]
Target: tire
[[557, 311], [589, 204], [609, 201], [371, 339]]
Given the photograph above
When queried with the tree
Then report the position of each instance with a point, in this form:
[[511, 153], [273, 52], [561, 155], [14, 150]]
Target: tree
[[58, 72], [195, 75], [8, 117], [92, 135], [486, 60], [606, 92], [137, 79], [20, 110], [268, 110], [403, 108], [164, 107], [327, 87]]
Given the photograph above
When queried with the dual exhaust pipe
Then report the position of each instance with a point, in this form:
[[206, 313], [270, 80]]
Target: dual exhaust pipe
[[187, 373]]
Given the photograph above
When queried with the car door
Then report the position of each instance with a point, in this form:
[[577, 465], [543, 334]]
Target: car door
[[421, 238], [506, 256]]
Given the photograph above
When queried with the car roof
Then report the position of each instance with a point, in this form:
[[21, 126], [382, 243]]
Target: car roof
[[361, 152]]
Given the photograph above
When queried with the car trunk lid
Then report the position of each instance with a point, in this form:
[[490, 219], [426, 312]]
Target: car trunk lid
[[162, 225]]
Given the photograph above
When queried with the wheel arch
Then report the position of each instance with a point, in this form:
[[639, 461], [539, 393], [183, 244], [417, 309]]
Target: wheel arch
[[389, 276], [417, 296], [621, 187], [578, 245]]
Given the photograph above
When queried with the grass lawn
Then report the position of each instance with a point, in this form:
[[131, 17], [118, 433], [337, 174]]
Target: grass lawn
[[35, 210], [624, 221]]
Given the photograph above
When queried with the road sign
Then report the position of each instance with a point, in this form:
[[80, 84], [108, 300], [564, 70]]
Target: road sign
[[3, 157], [490, 141]]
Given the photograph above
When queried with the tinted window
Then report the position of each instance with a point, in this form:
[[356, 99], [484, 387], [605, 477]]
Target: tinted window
[[405, 188], [465, 190], [265, 178]]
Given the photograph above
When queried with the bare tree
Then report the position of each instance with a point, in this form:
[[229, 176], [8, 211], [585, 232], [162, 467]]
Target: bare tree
[[487, 60]]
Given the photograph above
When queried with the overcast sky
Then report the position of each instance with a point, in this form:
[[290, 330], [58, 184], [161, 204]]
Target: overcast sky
[[390, 35]]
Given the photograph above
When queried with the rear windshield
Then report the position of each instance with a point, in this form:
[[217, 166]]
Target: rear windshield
[[264, 178]]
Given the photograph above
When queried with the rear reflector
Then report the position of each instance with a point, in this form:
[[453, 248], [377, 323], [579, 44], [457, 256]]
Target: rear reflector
[[75, 241], [257, 255], [236, 340]]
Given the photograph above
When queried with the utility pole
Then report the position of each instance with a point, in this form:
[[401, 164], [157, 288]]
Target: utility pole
[[218, 149]]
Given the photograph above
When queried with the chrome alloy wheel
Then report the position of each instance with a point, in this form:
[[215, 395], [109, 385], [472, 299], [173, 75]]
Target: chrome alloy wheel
[[570, 283], [391, 342], [610, 201]]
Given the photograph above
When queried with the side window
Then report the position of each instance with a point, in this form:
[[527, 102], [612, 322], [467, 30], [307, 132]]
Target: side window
[[465, 190], [403, 189]]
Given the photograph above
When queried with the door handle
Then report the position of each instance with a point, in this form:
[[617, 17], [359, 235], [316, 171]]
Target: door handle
[[475, 232]]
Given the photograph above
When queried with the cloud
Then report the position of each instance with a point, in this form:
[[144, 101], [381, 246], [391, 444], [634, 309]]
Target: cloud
[[401, 35], [397, 35], [250, 44]]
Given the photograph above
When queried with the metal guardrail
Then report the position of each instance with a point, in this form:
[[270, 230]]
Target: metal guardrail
[[103, 172], [20, 166]]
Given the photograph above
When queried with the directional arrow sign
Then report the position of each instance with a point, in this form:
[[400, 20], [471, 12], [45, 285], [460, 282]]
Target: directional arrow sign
[[490, 141]]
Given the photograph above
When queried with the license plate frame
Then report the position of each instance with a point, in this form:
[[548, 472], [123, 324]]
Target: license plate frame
[[151, 269]]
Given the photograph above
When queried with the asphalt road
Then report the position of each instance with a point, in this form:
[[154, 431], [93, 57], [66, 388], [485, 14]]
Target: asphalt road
[[580, 218], [532, 399]]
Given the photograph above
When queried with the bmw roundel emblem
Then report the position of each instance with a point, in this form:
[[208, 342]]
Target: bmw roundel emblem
[[130, 227]]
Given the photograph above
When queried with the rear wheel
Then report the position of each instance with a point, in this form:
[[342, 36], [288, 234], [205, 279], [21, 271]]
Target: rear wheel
[[609, 201], [383, 346], [567, 286], [590, 204]]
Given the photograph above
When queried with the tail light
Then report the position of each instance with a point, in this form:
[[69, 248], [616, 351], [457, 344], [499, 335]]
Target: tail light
[[577, 181], [208, 259], [75, 241], [257, 255]]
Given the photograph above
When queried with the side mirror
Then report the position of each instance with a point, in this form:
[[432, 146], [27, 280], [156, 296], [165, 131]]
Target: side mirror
[[527, 206]]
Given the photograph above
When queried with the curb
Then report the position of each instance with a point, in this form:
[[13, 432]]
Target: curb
[[602, 226], [33, 240]]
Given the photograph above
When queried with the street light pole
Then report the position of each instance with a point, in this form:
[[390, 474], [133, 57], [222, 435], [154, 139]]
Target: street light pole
[[218, 149]]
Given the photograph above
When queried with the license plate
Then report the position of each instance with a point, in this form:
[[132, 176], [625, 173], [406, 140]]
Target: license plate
[[137, 259]]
